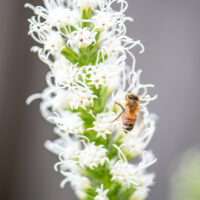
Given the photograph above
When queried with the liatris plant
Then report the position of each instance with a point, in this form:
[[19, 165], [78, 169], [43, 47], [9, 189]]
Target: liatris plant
[[84, 43]]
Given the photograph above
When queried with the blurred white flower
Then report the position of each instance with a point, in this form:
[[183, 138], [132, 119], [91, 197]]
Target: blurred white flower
[[103, 124], [103, 73], [54, 42], [81, 97], [92, 156], [129, 175], [55, 14], [124, 173], [111, 45], [65, 72], [68, 122], [137, 140], [85, 4], [82, 38], [67, 147], [79, 183], [101, 194], [141, 193], [60, 17], [103, 20]]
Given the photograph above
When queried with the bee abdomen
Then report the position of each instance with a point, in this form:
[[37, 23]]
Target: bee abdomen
[[128, 127], [128, 123], [129, 120]]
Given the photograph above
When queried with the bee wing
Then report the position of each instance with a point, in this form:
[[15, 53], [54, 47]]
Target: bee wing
[[140, 126]]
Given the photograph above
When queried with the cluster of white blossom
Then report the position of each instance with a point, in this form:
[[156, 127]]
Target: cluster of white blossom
[[84, 43]]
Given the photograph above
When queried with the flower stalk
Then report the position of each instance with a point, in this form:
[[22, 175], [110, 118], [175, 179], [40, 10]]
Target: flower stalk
[[85, 46]]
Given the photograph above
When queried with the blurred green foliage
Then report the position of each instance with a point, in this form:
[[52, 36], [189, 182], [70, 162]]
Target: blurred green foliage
[[186, 179]]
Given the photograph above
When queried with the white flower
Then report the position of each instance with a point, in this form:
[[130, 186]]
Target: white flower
[[68, 122], [81, 97], [148, 159], [74, 98], [124, 173], [141, 89], [114, 83], [85, 4], [101, 194], [132, 145], [82, 38], [141, 193], [137, 140], [98, 76], [107, 5], [61, 99], [129, 174], [111, 45], [92, 156], [103, 124], [65, 73], [55, 15], [79, 183], [103, 20], [114, 45], [60, 17], [54, 42], [101, 74], [67, 147], [104, 73]]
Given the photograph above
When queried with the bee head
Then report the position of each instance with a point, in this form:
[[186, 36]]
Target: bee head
[[132, 97]]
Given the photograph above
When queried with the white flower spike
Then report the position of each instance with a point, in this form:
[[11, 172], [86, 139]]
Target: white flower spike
[[85, 46]]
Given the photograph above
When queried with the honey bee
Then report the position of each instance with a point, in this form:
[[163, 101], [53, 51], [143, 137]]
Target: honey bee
[[129, 112]]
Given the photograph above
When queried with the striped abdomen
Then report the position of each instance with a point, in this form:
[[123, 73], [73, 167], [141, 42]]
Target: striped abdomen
[[129, 118]]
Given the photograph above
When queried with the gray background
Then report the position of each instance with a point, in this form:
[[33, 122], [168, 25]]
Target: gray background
[[170, 31]]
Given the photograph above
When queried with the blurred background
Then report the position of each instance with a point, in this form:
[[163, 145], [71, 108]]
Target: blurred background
[[170, 32]]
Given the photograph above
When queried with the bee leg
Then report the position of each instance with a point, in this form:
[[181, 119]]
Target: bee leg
[[118, 117], [119, 105]]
